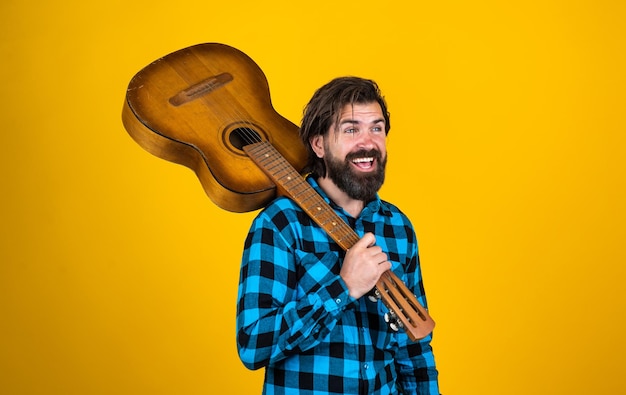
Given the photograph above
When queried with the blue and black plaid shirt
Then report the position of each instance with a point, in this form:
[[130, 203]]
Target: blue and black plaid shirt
[[296, 318]]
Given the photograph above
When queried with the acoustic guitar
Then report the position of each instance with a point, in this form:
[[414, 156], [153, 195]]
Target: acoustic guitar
[[208, 107]]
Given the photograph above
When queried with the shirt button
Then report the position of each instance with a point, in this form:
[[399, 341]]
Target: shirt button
[[338, 300], [366, 366]]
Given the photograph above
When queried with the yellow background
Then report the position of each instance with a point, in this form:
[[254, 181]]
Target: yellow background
[[119, 276]]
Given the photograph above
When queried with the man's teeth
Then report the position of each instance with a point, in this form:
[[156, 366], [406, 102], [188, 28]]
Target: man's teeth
[[360, 160]]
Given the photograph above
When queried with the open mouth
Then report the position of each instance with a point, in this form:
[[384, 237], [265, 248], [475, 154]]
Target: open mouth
[[364, 163]]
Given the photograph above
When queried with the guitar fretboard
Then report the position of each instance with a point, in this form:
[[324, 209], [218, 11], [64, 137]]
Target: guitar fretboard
[[295, 186]]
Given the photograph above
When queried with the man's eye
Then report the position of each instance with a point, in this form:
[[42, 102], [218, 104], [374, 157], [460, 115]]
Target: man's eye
[[350, 130]]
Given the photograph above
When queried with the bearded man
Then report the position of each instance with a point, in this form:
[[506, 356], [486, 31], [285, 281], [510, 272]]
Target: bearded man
[[303, 313]]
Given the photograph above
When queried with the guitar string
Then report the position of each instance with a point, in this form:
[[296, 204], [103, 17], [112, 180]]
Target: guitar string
[[235, 114]]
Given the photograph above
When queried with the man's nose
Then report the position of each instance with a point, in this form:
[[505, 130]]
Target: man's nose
[[366, 139]]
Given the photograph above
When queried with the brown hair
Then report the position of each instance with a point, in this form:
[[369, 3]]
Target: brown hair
[[325, 108]]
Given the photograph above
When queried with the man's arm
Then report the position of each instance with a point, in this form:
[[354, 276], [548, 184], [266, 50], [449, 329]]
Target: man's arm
[[272, 323]]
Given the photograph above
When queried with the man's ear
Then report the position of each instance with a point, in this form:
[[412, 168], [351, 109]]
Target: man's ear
[[317, 144]]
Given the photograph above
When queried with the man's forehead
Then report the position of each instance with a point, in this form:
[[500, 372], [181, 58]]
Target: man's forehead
[[357, 113]]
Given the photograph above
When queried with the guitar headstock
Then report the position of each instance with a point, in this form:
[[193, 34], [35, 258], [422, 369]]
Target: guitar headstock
[[405, 312]]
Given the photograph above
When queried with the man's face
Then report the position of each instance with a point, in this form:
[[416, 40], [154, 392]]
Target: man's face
[[354, 150]]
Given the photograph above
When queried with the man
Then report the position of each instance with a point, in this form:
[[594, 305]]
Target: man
[[303, 311]]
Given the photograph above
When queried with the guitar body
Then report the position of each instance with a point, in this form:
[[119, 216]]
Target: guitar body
[[191, 106]]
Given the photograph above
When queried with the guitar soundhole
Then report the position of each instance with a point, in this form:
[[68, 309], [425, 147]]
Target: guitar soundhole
[[242, 136]]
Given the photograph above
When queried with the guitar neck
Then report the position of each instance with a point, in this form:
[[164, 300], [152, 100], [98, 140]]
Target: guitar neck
[[295, 186]]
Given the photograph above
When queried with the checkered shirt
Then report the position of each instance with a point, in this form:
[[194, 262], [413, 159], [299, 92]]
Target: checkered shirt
[[296, 319]]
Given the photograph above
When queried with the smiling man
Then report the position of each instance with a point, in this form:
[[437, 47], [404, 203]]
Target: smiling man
[[303, 312]]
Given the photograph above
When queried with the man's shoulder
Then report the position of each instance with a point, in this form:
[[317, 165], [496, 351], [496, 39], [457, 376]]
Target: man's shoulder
[[280, 206], [390, 208]]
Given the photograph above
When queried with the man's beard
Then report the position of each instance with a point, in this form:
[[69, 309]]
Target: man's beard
[[359, 186]]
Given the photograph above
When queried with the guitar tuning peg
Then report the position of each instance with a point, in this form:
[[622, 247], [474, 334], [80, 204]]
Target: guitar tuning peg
[[374, 295], [392, 320]]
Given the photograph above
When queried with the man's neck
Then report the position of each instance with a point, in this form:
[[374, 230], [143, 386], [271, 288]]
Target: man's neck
[[350, 205]]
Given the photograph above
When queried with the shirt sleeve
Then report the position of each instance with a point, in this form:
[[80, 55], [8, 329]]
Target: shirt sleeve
[[415, 361], [272, 322]]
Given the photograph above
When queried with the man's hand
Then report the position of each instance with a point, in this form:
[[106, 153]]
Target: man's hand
[[363, 265]]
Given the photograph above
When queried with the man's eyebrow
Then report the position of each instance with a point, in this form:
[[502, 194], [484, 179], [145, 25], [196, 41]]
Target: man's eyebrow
[[352, 121], [356, 122]]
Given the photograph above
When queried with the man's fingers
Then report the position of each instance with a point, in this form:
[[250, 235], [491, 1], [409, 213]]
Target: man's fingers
[[384, 266], [367, 240]]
